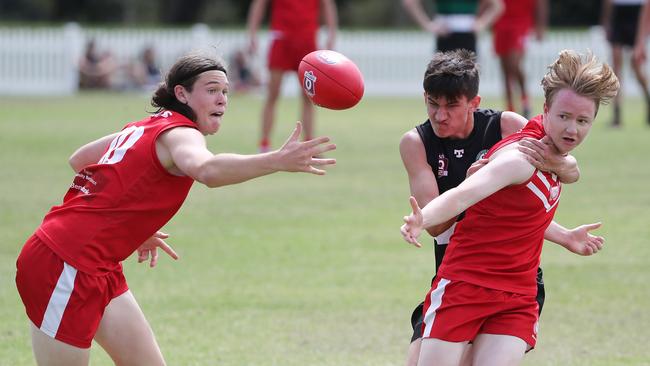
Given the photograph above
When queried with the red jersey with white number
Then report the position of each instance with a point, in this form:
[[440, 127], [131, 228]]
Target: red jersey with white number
[[499, 242], [115, 205], [295, 18]]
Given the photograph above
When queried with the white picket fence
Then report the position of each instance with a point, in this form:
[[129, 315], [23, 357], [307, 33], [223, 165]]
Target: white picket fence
[[42, 61]]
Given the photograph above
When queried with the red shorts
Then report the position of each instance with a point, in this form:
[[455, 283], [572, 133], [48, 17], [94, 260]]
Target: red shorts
[[64, 303], [457, 311], [287, 51], [509, 39]]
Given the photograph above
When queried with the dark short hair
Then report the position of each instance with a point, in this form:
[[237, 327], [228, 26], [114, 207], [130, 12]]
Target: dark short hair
[[452, 74], [185, 72]]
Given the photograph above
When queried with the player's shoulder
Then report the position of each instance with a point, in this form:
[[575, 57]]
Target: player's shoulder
[[511, 122]]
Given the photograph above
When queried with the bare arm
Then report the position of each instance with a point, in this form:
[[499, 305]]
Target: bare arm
[[189, 154], [422, 180], [255, 14], [489, 12], [416, 11], [90, 153], [331, 21], [577, 240], [506, 167], [511, 122]]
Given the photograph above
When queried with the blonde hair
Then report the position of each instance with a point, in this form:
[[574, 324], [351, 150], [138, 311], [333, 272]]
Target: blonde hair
[[583, 74]]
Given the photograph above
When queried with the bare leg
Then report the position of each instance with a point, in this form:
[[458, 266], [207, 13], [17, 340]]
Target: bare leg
[[268, 112], [516, 58], [507, 81], [498, 350], [413, 353], [642, 78], [441, 353], [126, 335], [51, 352], [617, 63]]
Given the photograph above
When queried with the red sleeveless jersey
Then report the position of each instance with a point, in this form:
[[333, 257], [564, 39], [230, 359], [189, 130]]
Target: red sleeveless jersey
[[295, 18], [115, 205], [499, 242]]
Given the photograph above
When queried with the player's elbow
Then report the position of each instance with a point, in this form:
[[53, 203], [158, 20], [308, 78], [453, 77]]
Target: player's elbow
[[75, 162]]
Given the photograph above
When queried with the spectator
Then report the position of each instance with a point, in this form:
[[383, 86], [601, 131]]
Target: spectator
[[145, 72], [620, 18], [244, 78], [96, 69], [457, 22]]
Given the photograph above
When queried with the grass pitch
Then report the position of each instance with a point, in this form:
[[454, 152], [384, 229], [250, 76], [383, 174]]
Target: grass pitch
[[296, 269]]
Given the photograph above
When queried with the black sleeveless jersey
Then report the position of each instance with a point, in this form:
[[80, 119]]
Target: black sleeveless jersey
[[450, 158]]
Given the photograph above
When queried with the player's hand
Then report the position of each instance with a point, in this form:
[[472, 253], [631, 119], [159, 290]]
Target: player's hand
[[582, 242], [438, 27], [304, 156], [476, 166], [542, 154], [150, 247], [412, 224]]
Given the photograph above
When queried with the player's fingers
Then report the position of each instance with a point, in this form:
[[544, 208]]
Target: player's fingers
[[317, 141], [154, 258], [161, 235], [319, 161], [167, 249], [534, 162], [593, 226], [296, 132], [315, 171], [414, 204], [143, 255], [323, 149]]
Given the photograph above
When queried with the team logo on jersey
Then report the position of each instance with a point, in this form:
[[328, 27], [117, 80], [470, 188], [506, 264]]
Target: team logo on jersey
[[309, 83], [481, 154], [443, 166], [554, 193], [459, 153]]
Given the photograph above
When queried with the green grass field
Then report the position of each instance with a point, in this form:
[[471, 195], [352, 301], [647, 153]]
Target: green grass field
[[297, 269]]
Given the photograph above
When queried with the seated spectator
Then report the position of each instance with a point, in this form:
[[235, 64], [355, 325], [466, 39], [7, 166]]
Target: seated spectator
[[244, 79], [96, 69], [145, 73]]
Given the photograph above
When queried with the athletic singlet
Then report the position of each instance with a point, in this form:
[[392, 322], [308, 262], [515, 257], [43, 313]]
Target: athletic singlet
[[499, 242], [113, 206], [450, 158]]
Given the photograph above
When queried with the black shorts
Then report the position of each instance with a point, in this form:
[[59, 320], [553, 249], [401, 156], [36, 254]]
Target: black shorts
[[623, 24], [417, 317], [455, 41]]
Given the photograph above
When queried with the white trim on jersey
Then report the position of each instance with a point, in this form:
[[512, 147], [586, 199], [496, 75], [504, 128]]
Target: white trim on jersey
[[436, 301], [59, 300], [541, 196]]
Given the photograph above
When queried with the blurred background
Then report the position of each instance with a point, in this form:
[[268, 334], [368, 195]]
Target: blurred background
[[42, 41]]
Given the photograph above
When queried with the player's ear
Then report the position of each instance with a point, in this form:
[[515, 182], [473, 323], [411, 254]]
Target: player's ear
[[475, 102], [179, 92], [424, 94]]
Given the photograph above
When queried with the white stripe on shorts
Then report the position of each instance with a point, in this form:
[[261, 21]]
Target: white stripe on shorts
[[436, 301], [59, 300]]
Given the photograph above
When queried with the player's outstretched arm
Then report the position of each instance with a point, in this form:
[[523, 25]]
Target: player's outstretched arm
[[578, 240], [507, 166], [189, 154], [545, 157]]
